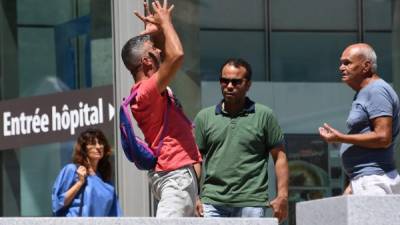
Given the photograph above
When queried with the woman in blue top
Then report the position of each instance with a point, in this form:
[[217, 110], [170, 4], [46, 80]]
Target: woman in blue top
[[83, 188]]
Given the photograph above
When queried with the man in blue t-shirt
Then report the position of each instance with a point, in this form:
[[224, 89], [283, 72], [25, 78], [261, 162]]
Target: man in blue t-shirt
[[367, 151]]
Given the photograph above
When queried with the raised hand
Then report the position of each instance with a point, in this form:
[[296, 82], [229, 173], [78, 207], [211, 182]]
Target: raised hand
[[153, 22], [82, 173]]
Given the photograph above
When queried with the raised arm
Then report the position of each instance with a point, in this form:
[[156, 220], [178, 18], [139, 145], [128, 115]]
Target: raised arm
[[159, 26], [379, 137]]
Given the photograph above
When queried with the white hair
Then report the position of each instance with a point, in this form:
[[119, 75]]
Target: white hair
[[369, 54]]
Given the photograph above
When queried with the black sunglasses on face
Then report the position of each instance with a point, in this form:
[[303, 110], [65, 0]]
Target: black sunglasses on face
[[226, 81]]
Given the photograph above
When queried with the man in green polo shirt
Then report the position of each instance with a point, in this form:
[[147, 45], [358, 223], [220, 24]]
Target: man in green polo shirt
[[235, 138]]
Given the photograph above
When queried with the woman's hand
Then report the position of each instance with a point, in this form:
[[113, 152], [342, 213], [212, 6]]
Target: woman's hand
[[73, 191], [82, 174]]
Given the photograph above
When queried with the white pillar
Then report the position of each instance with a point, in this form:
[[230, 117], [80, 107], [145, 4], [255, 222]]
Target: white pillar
[[132, 184]]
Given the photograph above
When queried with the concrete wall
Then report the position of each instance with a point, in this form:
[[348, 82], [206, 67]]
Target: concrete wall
[[135, 221], [350, 210]]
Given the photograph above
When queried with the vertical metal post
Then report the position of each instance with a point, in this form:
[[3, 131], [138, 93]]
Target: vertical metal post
[[396, 62], [268, 29], [360, 20]]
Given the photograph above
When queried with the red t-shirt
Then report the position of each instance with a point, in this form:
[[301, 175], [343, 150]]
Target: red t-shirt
[[179, 147]]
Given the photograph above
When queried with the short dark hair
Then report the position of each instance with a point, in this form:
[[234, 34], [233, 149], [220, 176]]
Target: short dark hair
[[132, 52], [238, 62]]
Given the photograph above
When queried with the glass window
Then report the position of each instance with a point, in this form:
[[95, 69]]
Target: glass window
[[49, 46], [378, 28], [36, 58], [313, 15], [378, 15], [307, 56], [232, 14], [383, 45], [308, 37], [232, 29], [221, 45], [37, 13]]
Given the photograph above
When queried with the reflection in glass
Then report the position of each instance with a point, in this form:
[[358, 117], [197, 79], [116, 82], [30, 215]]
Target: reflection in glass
[[383, 46], [313, 15], [29, 47], [218, 46], [307, 56]]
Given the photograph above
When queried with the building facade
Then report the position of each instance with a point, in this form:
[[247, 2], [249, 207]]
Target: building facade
[[56, 47]]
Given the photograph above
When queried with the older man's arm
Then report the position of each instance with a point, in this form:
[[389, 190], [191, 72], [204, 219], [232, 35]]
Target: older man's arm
[[379, 137]]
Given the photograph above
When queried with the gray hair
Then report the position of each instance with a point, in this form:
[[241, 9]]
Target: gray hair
[[369, 54], [133, 51]]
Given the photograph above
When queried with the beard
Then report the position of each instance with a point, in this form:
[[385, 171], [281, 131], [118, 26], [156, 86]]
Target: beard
[[157, 60]]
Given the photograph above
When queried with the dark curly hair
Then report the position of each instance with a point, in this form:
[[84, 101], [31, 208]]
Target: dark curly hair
[[79, 156]]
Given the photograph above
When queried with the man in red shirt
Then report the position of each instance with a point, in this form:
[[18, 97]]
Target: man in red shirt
[[174, 180]]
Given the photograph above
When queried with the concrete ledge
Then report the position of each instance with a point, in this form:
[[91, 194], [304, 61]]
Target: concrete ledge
[[350, 210], [135, 221]]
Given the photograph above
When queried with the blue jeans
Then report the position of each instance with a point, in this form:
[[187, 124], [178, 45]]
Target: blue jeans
[[226, 211]]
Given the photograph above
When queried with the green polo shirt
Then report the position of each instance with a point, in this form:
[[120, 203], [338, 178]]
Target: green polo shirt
[[235, 153]]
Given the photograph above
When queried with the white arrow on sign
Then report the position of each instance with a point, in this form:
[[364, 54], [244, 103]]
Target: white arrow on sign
[[111, 112]]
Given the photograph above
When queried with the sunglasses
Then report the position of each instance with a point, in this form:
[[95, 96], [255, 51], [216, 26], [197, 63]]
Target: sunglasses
[[226, 81]]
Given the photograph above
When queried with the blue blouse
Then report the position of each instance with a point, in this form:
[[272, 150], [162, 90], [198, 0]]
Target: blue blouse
[[99, 197]]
